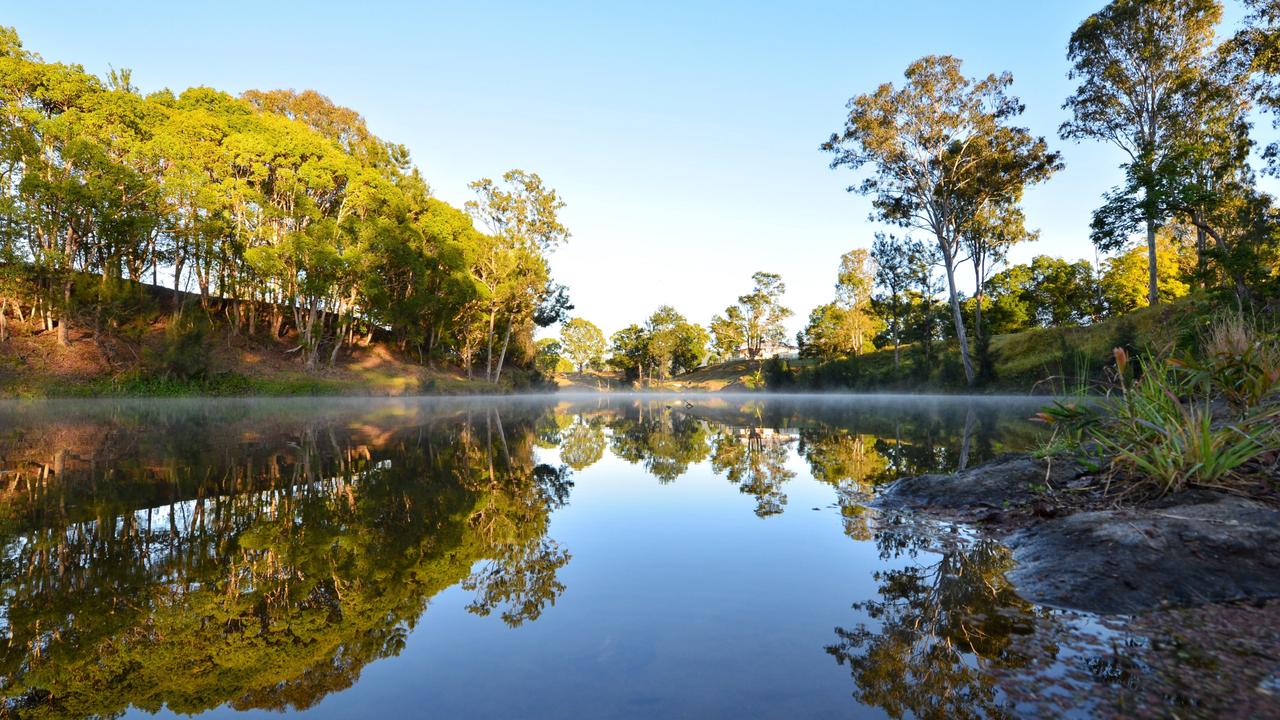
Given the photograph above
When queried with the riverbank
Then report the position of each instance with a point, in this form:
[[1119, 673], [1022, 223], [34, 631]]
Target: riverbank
[[1078, 546], [34, 365]]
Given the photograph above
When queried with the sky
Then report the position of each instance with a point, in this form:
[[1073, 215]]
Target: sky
[[683, 136]]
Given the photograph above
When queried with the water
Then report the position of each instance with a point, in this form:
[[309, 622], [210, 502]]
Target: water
[[541, 557]]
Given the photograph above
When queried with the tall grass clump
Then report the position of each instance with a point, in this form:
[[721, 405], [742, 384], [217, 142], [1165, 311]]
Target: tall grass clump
[[1236, 361], [1159, 432]]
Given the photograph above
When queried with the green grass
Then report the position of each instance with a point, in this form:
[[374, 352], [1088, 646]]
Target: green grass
[[1046, 360]]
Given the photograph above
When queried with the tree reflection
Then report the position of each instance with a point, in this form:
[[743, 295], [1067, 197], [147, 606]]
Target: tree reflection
[[666, 443], [938, 631], [583, 443], [755, 459], [264, 565], [853, 465]]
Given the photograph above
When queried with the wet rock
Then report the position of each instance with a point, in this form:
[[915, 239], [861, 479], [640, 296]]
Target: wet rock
[[1008, 481], [1129, 560], [1074, 551]]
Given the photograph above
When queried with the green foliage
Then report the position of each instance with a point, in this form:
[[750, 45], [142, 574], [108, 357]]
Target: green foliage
[[943, 152], [582, 343], [184, 353], [549, 359], [1159, 430], [278, 201], [754, 321]]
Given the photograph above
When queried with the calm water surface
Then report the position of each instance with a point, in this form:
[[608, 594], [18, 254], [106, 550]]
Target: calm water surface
[[595, 557]]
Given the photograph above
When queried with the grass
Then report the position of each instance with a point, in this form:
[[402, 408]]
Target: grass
[[1159, 430]]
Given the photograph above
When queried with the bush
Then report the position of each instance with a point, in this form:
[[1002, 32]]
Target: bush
[[1159, 429], [1236, 362], [184, 353]]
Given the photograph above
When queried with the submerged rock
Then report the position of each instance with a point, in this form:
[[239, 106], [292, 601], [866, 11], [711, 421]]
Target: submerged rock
[[1183, 551]]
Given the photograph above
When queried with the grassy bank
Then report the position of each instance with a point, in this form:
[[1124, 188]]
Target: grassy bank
[[1040, 360]]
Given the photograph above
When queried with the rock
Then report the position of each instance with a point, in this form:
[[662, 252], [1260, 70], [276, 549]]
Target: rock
[[1009, 480], [1198, 547], [1126, 561]]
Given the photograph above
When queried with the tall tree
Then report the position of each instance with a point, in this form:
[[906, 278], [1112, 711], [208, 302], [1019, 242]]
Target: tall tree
[[523, 214], [844, 327], [1138, 63], [582, 342], [987, 239], [941, 150], [759, 314], [895, 276]]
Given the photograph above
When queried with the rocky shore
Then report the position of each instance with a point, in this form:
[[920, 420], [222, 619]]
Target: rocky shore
[[1077, 547]]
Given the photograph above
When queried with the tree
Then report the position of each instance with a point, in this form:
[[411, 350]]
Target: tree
[[1062, 293], [941, 151], [1138, 63], [844, 327], [757, 318], [987, 238], [895, 275], [727, 333], [523, 217], [582, 343], [629, 352], [1125, 275], [549, 355]]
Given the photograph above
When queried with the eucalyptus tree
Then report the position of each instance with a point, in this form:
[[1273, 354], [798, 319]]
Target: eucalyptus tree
[[523, 216], [844, 327], [987, 238], [894, 276], [582, 342], [1139, 63], [726, 333], [277, 202], [941, 150], [757, 318]]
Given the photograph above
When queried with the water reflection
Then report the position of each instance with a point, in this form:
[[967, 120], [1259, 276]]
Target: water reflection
[[940, 626], [260, 555], [192, 559]]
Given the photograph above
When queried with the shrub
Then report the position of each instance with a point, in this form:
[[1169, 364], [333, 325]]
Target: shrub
[[1236, 362], [184, 353], [1158, 429]]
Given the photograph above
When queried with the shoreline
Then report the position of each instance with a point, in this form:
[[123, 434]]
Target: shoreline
[[1076, 547]]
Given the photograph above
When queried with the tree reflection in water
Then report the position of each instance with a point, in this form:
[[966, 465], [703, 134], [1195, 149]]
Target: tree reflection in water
[[939, 629], [194, 555], [260, 568]]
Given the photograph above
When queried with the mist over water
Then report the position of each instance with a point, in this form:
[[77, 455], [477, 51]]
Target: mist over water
[[602, 555]]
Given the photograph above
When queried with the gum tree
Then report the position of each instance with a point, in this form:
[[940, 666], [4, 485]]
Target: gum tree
[[1139, 63], [941, 150]]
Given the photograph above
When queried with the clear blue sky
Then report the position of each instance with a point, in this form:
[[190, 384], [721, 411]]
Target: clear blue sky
[[684, 136]]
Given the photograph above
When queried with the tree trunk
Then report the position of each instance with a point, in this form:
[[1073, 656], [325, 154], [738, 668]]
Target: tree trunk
[[506, 339], [63, 339], [956, 315], [1153, 285], [1200, 250], [488, 361], [1242, 290], [4, 319]]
